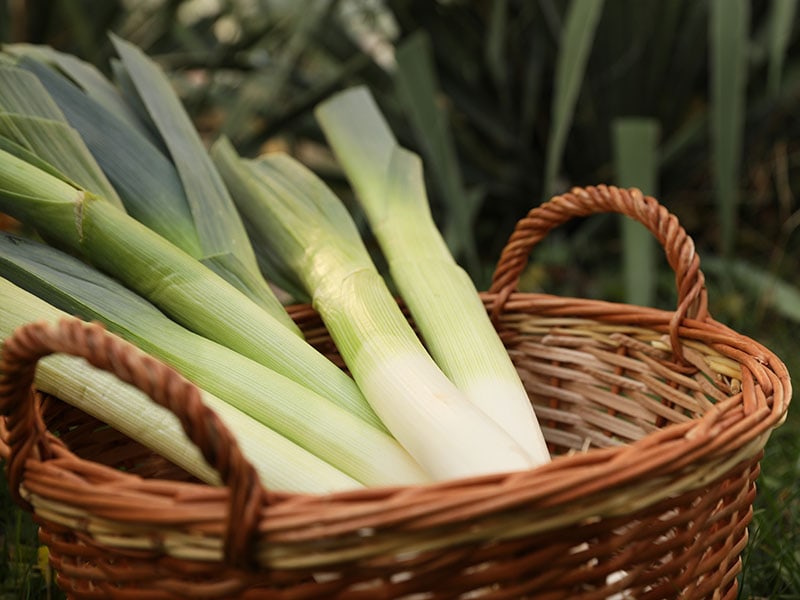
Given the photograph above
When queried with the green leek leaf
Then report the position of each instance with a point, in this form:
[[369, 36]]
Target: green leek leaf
[[84, 75], [30, 118], [226, 246]]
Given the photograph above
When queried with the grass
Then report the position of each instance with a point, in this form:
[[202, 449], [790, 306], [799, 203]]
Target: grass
[[23, 572], [771, 561]]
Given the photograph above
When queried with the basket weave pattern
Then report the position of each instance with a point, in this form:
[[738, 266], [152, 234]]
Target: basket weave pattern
[[658, 420]]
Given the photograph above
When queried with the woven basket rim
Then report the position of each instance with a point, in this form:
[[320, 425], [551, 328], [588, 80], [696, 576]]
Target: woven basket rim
[[570, 491], [609, 312]]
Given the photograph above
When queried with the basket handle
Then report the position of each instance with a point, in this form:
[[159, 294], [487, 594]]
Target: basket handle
[[582, 202], [28, 437]]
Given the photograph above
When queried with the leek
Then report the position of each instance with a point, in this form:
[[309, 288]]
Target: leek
[[364, 452], [313, 232], [280, 463], [222, 234], [388, 181], [158, 200], [85, 75], [30, 118], [185, 202], [179, 285]]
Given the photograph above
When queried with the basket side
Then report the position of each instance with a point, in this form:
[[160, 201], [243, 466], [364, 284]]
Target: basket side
[[659, 507]]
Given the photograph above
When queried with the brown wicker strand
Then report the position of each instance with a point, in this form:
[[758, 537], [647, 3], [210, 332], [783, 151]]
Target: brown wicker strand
[[28, 436], [162, 384]]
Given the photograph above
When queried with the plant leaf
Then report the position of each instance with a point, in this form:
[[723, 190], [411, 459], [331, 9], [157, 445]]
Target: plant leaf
[[29, 157], [59, 145], [636, 161], [30, 118], [218, 225], [123, 153], [21, 93], [226, 247], [576, 40], [496, 39], [782, 19], [729, 23], [781, 295], [84, 75], [418, 89], [237, 178]]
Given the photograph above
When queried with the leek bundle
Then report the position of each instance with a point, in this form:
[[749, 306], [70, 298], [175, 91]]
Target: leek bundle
[[85, 224], [367, 454], [311, 229], [280, 463], [182, 198], [167, 244], [388, 181]]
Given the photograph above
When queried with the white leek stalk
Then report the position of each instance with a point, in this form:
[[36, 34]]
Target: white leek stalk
[[366, 453], [280, 463], [388, 181], [313, 232]]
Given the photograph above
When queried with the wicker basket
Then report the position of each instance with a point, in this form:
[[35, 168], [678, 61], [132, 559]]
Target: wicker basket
[[658, 418]]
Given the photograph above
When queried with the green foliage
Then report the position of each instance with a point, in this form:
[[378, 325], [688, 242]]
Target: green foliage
[[782, 17], [574, 45], [505, 100], [771, 561], [728, 34], [417, 90], [636, 163], [22, 574]]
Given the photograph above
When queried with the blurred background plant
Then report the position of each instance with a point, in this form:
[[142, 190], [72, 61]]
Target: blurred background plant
[[509, 102]]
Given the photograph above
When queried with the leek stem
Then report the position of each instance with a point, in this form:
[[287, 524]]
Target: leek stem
[[171, 279], [280, 463], [388, 182], [315, 235]]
